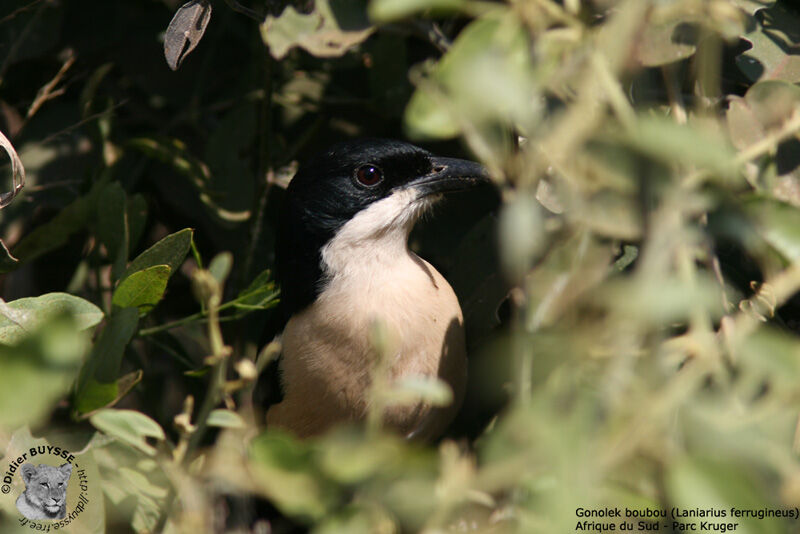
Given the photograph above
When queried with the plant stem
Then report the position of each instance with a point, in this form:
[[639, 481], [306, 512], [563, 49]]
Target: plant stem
[[220, 353]]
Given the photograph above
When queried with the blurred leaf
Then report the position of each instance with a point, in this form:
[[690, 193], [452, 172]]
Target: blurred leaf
[[771, 354], [220, 266], [333, 28], [112, 226], [414, 389], [775, 54], [142, 289], [358, 519], [225, 419], [347, 456], [667, 42], [765, 106], [428, 116], [170, 251], [593, 212], [185, 31], [141, 483], [21, 316], [104, 361], [521, 234], [57, 231], [751, 6], [716, 483], [667, 301], [39, 370], [490, 57], [285, 472], [173, 152], [129, 426], [391, 10], [778, 223], [690, 144]]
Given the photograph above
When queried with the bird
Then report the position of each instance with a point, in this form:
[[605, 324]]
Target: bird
[[344, 265]]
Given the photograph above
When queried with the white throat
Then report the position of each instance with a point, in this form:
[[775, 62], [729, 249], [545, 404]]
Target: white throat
[[375, 239]]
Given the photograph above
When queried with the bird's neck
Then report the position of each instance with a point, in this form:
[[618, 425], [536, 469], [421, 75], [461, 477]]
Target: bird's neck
[[365, 257], [375, 240]]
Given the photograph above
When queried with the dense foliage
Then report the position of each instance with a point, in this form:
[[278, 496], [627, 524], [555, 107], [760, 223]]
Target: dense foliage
[[628, 292]]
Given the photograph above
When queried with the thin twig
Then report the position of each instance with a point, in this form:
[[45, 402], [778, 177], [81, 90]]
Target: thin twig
[[220, 354], [49, 91]]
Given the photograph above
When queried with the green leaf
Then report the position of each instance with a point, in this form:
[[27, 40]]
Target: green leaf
[[333, 28], [142, 289], [21, 316], [57, 231], [112, 226], [39, 370], [129, 426], [391, 10], [170, 251], [776, 42], [261, 293], [104, 361], [225, 419], [98, 395]]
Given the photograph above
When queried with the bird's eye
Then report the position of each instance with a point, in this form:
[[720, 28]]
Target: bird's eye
[[369, 175]]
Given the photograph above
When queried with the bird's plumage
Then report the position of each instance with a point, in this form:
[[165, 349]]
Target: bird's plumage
[[343, 264]]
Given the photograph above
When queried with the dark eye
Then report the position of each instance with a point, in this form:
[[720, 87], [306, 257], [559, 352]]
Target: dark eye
[[43, 483], [369, 175]]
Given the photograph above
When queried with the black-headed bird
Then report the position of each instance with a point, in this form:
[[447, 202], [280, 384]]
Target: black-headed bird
[[344, 265]]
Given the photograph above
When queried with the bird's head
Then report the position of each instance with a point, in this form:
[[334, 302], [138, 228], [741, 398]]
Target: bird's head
[[359, 194]]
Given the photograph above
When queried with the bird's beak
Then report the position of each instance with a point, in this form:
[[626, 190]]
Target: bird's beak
[[449, 174]]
